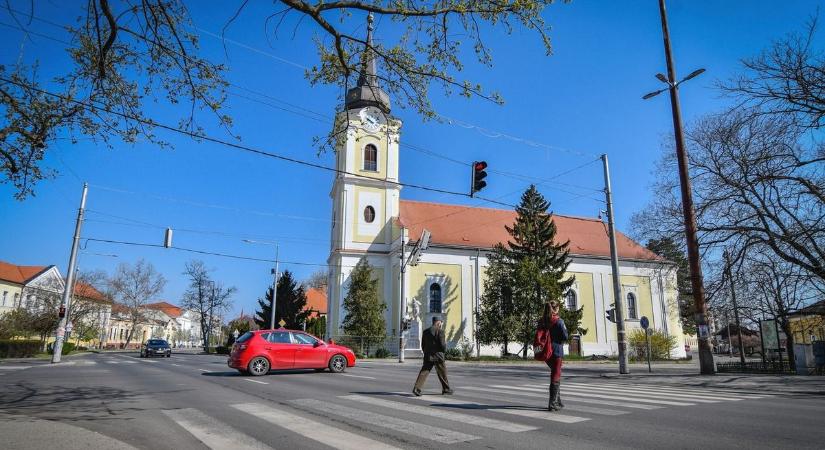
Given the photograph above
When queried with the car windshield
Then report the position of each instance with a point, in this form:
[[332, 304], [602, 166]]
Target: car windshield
[[246, 336], [157, 342]]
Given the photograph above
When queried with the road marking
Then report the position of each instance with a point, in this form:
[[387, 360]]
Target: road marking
[[610, 397], [112, 362], [13, 367], [176, 364], [355, 376], [255, 381], [419, 430], [567, 407], [211, 432], [506, 409], [323, 433], [697, 390], [204, 370], [566, 397], [663, 394], [442, 414]]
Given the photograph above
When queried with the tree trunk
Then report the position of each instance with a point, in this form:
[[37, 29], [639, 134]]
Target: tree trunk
[[130, 334], [786, 328], [205, 335]]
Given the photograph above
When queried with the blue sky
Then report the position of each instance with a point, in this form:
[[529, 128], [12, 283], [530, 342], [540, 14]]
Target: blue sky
[[582, 101]]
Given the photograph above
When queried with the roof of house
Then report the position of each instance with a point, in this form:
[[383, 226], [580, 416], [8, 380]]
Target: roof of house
[[316, 300], [817, 308], [476, 227], [20, 274], [86, 290], [166, 308]]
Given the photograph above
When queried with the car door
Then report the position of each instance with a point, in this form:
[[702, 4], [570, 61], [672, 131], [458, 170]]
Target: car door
[[280, 349], [310, 353]]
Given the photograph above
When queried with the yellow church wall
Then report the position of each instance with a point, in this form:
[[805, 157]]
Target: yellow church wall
[[361, 141], [644, 299], [358, 215], [587, 300], [449, 275]]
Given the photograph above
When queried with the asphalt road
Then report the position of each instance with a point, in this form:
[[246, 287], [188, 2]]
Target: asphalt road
[[194, 401]]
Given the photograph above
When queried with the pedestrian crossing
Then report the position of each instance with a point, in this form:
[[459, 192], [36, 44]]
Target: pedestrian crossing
[[389, 420]]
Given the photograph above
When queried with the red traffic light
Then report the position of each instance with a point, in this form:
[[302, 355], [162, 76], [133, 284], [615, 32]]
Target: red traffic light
[[477, 182], [480, 165]]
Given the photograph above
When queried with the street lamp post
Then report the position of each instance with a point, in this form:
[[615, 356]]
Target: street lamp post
[[274, 279], [706, 365]]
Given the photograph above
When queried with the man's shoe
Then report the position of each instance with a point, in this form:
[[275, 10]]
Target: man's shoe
[[447, 392], [417, 392]]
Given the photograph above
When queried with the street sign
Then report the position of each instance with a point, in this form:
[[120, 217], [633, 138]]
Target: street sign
[[69, 327], [282, 322], [644, 322]]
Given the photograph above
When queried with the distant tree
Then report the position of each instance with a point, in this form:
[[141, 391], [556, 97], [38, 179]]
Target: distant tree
[[17, 322], [134, 287], [668, 248], [207, 298], [364, 309], [496, 319], [317, 280], [537, 264], [317, 326], [239, 325], [291, 304]]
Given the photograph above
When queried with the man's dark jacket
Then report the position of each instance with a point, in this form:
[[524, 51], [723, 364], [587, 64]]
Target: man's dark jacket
[[434, 345]]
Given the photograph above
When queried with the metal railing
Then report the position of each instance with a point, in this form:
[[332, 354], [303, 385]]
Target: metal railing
[[381, 346], [755, 367]]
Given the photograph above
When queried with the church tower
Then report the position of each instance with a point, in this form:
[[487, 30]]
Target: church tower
[[365, 192]]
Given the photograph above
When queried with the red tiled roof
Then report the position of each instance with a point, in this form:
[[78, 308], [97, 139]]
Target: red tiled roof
[[19, 274], [316, 301], [119, 308], [167, 308], [85, 290], [484, 227]]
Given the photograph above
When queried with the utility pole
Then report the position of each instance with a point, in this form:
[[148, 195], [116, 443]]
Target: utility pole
[[614, 262], [67, 291], [274, 289], [735, 310], [706, 366], [401, 302]]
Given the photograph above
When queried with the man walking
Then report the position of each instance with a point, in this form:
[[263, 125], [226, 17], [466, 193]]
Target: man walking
[[434, 345]]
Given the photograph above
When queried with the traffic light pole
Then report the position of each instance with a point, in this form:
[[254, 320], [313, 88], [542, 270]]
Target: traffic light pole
[[274, 289], [402, 304], [67, 291], [614, 262]]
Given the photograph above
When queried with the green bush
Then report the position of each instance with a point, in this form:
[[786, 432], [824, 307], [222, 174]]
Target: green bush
[[661, 345], [19, 348], [382, 353], [68, 347], [222, 350], [453, 354]]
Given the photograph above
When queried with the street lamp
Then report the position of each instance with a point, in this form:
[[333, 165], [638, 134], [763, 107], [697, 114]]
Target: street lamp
[[706, 366], [274, 279]]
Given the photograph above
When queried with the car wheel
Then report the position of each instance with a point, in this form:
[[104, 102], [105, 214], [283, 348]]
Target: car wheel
[[337, 364], [258, 366]]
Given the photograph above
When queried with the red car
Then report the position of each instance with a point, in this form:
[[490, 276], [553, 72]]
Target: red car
[[258, 352]]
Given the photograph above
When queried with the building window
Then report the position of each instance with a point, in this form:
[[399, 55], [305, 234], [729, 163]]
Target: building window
[[369, 214], [570, 300], [5, 294], [631, 306], [435, 298], [17, 300], [371, 158]]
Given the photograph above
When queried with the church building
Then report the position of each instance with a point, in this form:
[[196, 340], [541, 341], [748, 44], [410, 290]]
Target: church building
[[370, 220]]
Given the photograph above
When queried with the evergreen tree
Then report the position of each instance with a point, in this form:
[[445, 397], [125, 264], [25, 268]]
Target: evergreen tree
[[536, 263], [291, 304], [364, 308], [497, 324]]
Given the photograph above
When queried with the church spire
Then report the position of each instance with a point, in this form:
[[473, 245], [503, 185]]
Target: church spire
[[367, 91]]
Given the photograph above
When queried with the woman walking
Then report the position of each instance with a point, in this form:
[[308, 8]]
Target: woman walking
[[550, 335]]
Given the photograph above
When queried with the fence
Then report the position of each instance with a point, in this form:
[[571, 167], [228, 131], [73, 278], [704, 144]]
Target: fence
[[381, 346], [755, 367]]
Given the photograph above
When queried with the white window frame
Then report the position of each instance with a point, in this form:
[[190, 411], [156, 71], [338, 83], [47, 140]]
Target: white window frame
[[364, 158]]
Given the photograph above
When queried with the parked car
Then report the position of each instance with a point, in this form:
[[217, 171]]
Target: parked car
[[155, 347], [258, 352]]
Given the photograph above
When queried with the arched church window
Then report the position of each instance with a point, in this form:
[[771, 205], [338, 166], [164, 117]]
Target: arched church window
[[632, 312], [570, 300], [369, 214], [370, 158], [435, 298]]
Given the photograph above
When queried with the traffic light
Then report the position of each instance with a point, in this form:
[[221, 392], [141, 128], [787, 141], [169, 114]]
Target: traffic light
[[611, 315], [61, 313], [477, 182]]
